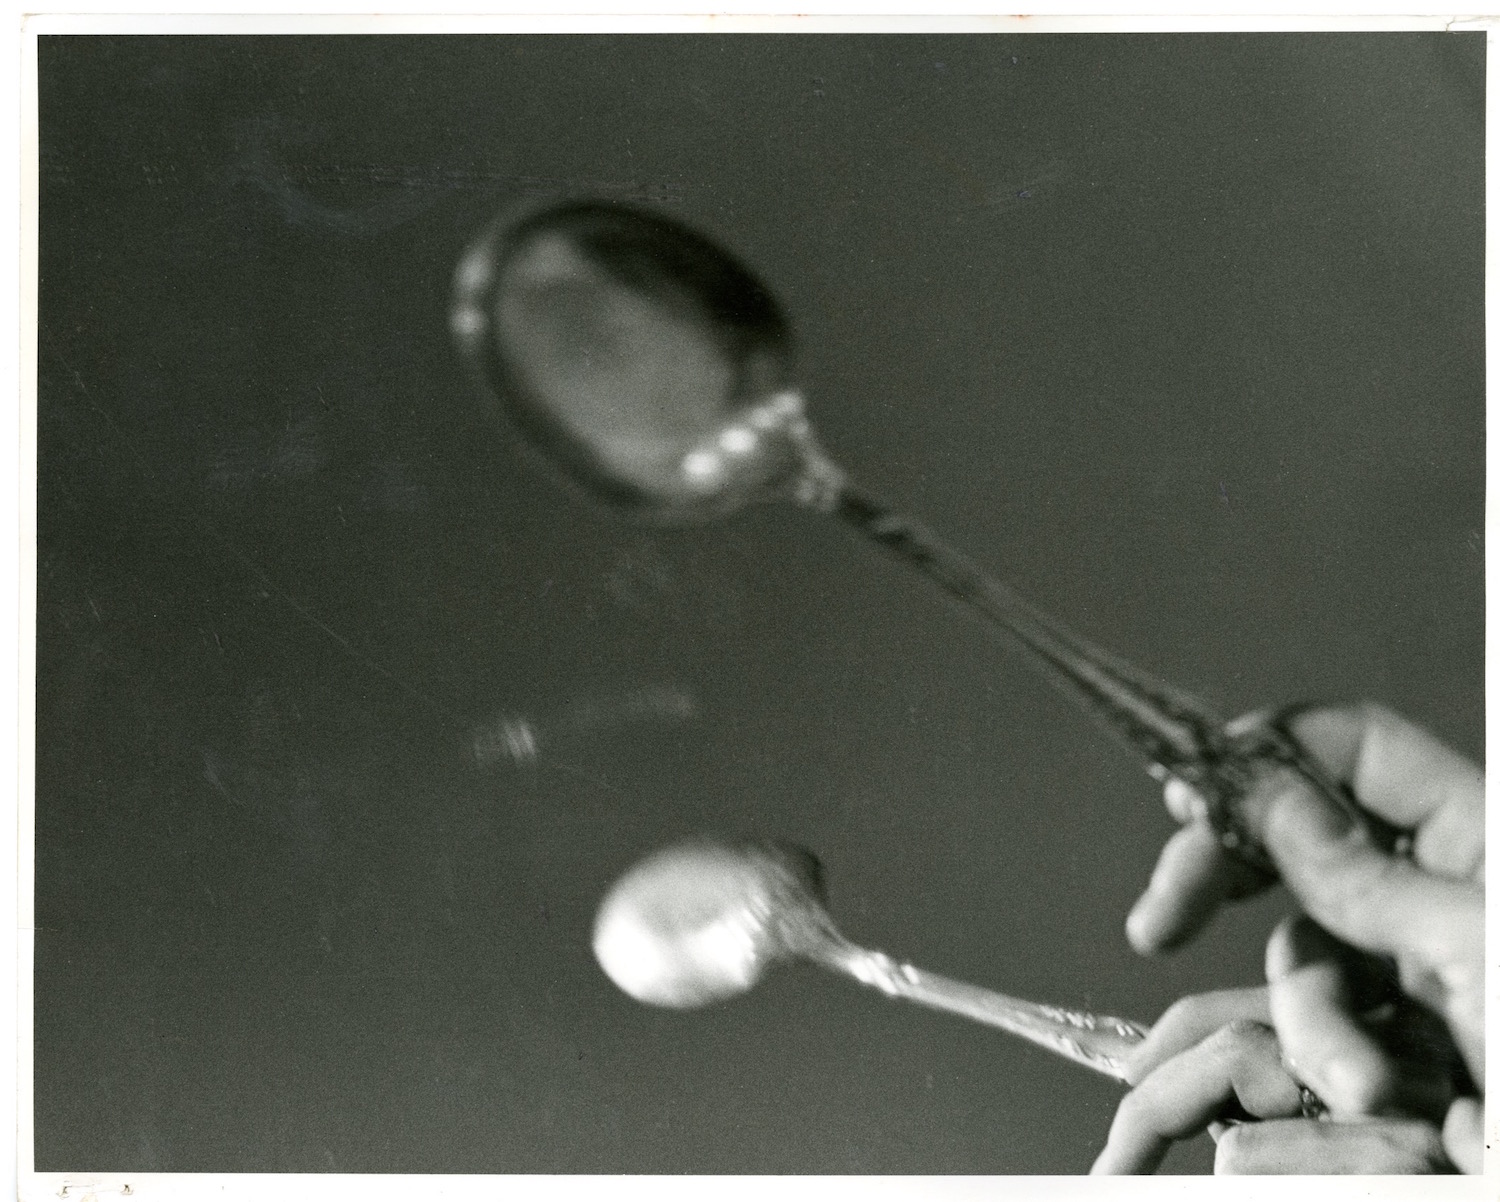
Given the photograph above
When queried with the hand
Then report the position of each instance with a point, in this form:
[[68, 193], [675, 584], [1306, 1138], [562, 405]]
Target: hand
[[1349, 1030], [1422, 917], [1213, 1059], [1426, 912]]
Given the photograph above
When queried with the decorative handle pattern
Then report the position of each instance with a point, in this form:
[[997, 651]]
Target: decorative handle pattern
[[1097, 1041], [1101, 1042]]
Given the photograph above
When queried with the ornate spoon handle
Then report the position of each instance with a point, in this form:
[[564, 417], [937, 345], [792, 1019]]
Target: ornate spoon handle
[[1097, 1041], [1101, 1042], [1175, 733]]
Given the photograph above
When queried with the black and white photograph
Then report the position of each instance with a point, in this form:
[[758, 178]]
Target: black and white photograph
[[833, 604]]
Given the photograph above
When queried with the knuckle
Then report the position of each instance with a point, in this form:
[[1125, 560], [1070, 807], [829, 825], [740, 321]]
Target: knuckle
[[1181, 1023], [1240, 1040], [1243, 1030], [1353, 893]]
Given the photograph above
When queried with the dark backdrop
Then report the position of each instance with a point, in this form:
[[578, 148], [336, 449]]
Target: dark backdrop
[[348, 712]]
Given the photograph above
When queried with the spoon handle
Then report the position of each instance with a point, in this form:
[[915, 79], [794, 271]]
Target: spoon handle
[[1166, 721], [1096, 1041], [1175, 733]]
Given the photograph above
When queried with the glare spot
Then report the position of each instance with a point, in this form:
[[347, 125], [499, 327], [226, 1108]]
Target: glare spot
[[633, 959], [737, 440], [467, 321], [702, 465], [474, 272], [727, 950]]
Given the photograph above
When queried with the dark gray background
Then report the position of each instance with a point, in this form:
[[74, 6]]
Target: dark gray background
[[1180, 334]]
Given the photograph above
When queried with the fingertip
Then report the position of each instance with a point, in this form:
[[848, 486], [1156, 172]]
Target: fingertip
[[1160, 923], [1115, 1160], [1281, 956], [1463, 1135], [1228, 1151], [1183, 802], [1189, 881], [1144, 927]]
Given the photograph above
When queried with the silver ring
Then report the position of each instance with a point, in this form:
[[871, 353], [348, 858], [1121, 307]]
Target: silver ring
[[1312, 1105]]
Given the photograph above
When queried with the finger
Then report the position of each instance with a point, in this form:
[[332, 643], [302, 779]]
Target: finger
[[1463, 1135], [1314, 1011], [1381, 903], [1183, 802], [1193, 876], [1188, 1022], [1374, 1146], [1239, 1062], [1404, 774], [1347, 1032]]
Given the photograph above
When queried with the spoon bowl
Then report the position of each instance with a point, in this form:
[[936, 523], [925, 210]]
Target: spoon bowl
[[647, 363], [701, 921]]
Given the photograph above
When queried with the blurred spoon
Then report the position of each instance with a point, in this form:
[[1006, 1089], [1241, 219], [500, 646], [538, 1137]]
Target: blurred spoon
[[657, 372], [701, 921]]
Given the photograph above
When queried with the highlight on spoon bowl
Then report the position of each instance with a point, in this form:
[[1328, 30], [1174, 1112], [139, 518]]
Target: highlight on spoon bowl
[[641, 358]]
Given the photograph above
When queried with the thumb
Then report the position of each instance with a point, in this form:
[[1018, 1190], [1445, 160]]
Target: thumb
[[1376, 901]]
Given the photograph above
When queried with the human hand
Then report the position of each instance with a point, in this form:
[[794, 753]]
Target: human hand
[[1351, 1031], [1213, 1059], [1426, 913]]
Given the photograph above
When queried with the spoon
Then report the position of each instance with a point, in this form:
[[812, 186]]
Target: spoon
[[701, 921], [656, 371]]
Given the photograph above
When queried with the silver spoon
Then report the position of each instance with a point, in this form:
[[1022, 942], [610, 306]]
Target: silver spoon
[[657, 372], [701, 921]]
